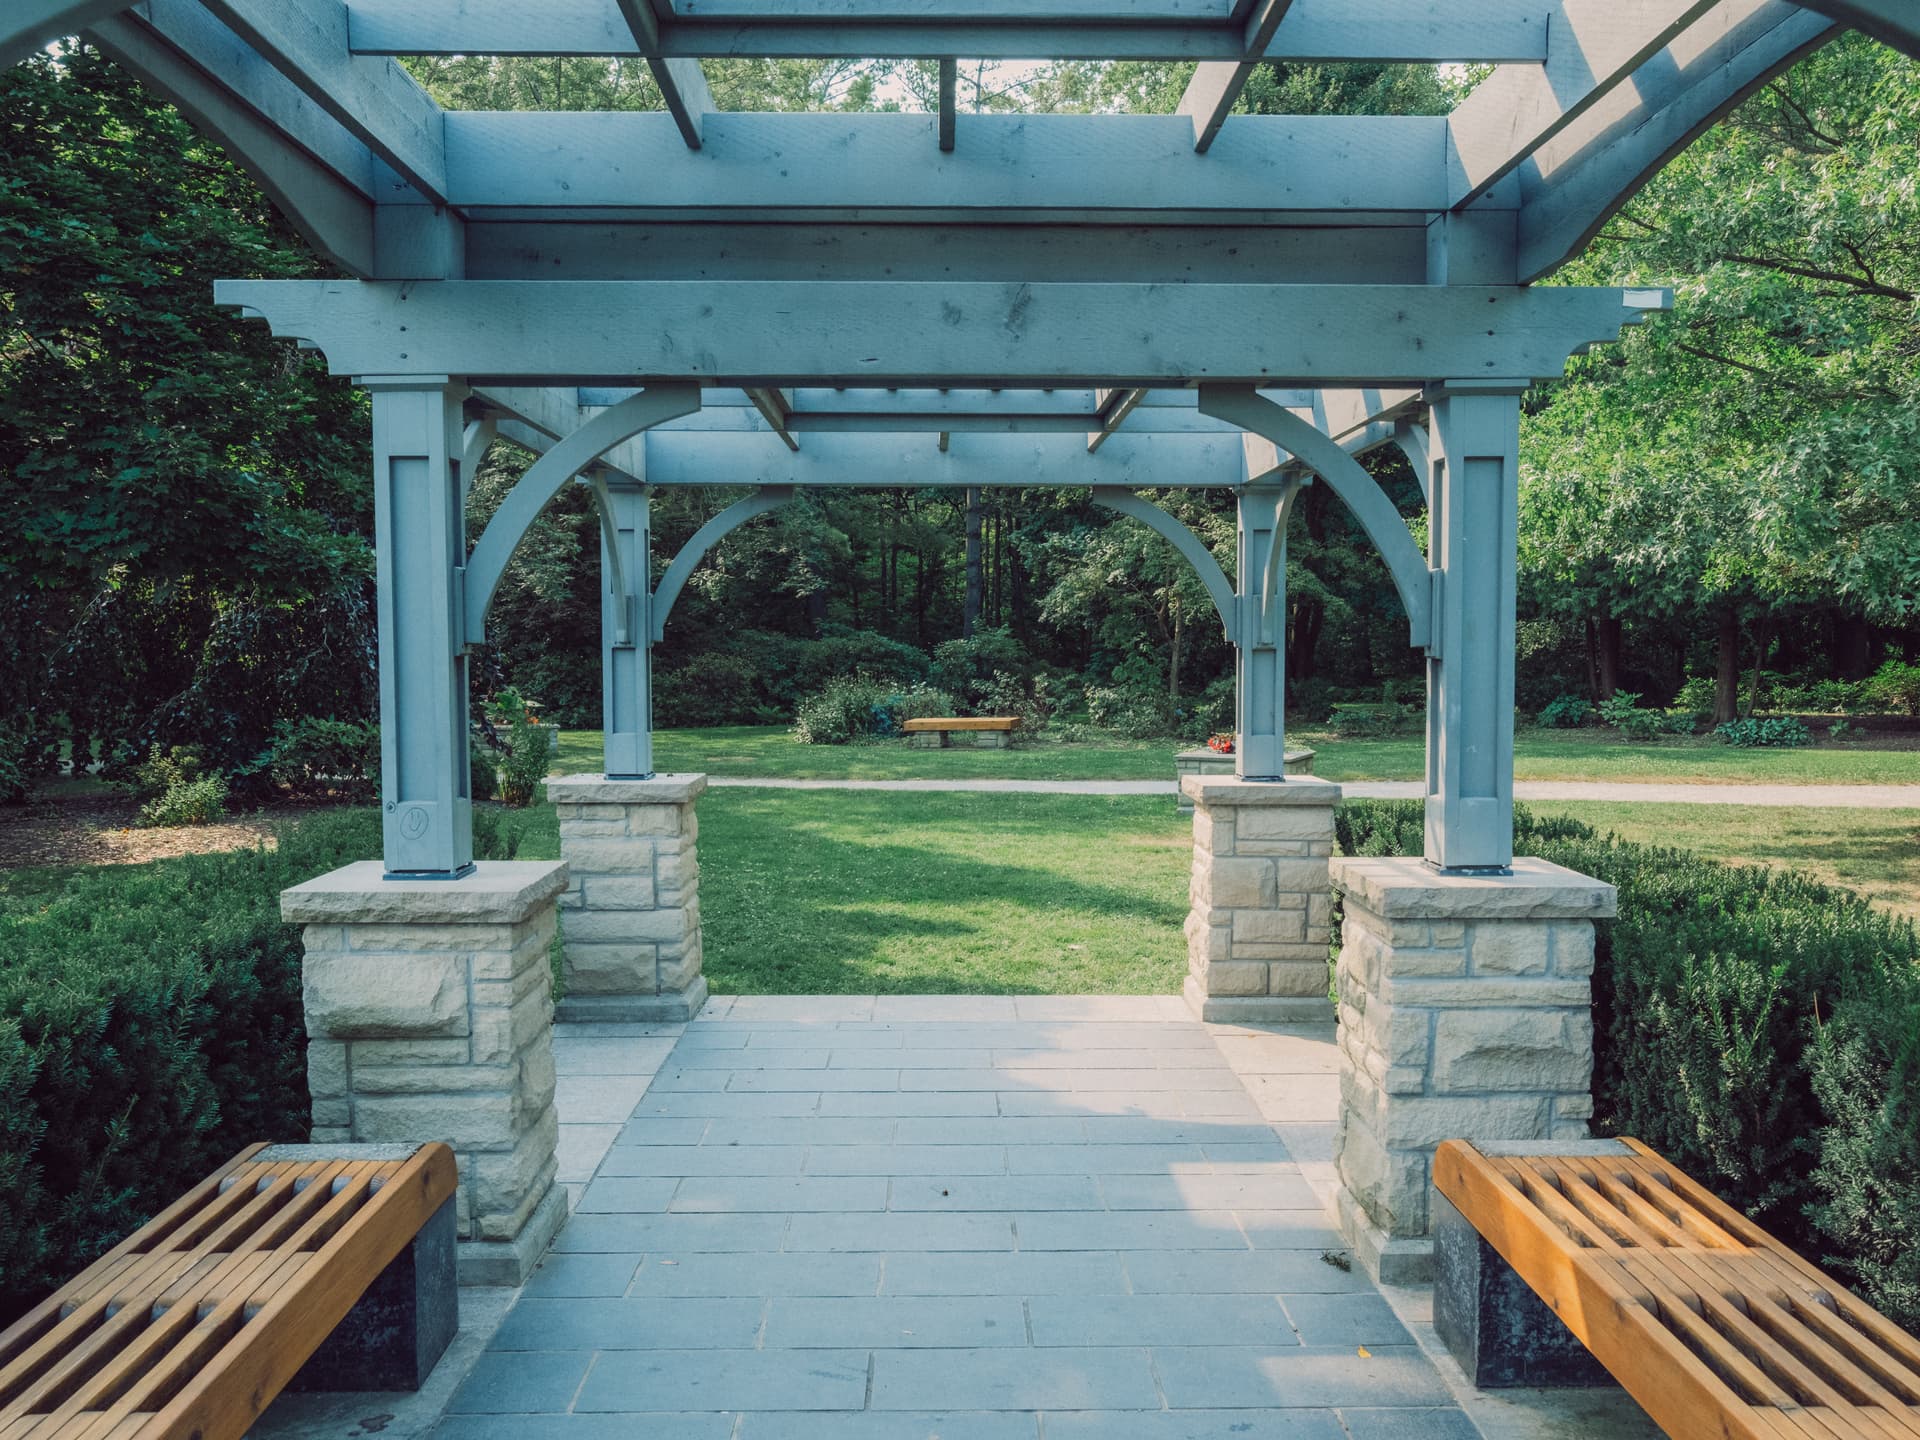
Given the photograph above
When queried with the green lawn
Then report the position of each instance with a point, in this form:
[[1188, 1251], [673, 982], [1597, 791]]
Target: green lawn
[[771, 752]]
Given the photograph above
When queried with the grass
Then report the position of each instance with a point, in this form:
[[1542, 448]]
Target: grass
[[1873, 852], [770, 752]]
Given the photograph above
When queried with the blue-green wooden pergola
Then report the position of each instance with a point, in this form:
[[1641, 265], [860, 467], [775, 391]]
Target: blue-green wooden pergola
[[696, 297]]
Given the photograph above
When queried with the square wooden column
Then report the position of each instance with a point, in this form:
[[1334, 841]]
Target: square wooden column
[[1474, 497], [626, 634], [426, 784], [1260, 649]]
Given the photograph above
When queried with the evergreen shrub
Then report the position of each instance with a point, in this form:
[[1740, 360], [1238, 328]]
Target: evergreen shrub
[[1760, 1029], [857, 706], [316, 757]]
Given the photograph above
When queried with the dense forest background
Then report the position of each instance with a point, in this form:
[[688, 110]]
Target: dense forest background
[[1730, 497]]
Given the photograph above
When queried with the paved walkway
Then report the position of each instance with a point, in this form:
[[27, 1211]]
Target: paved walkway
[[973, 1218], [1825, 797]]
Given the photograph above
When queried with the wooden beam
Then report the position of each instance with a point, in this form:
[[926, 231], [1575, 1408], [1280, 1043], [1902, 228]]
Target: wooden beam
[[1215, 85], [31, 25], [908, 333], [773, 408], [1892, 22], [312, 170], [542, 417], [679, 457], [1411, 31], [1593, 46], [371, 97], [1077, 169], [1580, 179], [949, 101], [683, 85], [1115, 407]]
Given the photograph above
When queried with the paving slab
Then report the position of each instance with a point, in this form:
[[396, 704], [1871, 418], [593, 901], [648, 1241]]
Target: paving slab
[[949, 1218]]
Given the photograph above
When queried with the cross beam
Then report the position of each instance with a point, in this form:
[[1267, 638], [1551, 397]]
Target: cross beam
[[906, 333]]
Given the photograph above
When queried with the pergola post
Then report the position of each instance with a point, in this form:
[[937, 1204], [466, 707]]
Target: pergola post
[[626, 646], [1260, 695], [425, 781], [1474, 499]]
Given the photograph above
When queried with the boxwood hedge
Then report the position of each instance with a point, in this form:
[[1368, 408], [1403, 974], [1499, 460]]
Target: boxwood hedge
[[1760, 1029]]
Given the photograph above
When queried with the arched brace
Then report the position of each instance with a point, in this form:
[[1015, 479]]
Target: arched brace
[[475, 440], [772, 497], [1241, 405], [655, 405], [1273, 575], [610, 533], [1182, 539], [1412, 440]]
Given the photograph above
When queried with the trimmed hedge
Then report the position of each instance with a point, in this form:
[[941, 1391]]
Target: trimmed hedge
[[151, 1026], [1760, 1029]]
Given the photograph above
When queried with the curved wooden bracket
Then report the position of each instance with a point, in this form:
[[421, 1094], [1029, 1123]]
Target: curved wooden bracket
[[1182, 539], [546, 476], [771, 497], [1412, 440], [1241, 405]]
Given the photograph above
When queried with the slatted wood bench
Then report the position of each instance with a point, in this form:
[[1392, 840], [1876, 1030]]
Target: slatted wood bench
[[1712, 1325], [993, 731], [190, 1326]]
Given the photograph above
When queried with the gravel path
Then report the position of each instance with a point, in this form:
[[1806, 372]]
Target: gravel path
[[1829, 797]]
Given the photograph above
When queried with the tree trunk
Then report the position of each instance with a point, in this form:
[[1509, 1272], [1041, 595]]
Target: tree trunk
[[970, 616], [1606, 633], [1726, 677], [1173, 662], [1762, 642]]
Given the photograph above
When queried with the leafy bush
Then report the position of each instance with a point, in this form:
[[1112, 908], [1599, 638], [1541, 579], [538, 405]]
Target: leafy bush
[[859, 705], [526, 747], [1695, 696], [1677, 722], [1820, 697], [1364, 722], [1568, 712], [175, 788], [315, 757], [1622, 711], [1134, 713], [1897, 684], [1709, 1041], [1781, 731], [967, 668]]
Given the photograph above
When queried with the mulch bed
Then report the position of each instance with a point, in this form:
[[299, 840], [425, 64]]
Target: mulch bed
[[63, 825]]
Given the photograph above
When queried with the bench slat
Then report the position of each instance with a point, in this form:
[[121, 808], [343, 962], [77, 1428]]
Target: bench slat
[[962, 722], [1709, 1322], [190, 1326]]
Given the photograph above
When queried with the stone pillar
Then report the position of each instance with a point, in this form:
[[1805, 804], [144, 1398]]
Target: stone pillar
[[631, 916], [1465, 1013], [1262, 906], [430, 1017]]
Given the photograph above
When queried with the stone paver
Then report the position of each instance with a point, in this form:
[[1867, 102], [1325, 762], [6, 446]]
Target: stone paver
[[1822, 797], [977, 1218]]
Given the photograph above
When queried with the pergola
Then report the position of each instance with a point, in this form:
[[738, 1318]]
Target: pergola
[[782, 301]]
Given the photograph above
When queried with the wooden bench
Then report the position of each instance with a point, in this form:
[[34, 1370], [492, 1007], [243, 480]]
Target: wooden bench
[[190, 1326], [1713, 1326], [991, 731]]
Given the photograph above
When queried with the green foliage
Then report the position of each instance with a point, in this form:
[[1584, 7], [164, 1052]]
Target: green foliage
[[856, 706], [175, 788], [186, 509], [312, 757], [1782, 732], [526, 748], [1897, 684], [1137, 714], [972, 668], [1566, 712], [1710, 993], [1366, 722]]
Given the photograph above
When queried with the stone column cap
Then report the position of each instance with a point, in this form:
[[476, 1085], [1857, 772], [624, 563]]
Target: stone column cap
[[1403, 888], [599, 790], [1207, 752], [1224, 791], [498, 892]]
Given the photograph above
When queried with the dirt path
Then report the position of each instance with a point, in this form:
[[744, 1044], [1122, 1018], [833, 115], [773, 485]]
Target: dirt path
[[100, 828]]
